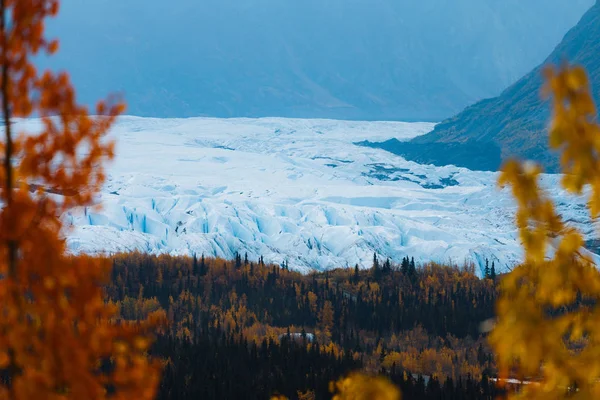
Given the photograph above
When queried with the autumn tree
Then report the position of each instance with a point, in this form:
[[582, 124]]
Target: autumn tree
[[326, 316], [58, 337], [358, 386], [548, 314]]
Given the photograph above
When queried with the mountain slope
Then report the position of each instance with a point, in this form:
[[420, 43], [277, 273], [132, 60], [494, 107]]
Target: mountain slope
[[514, 123], [348, 59]]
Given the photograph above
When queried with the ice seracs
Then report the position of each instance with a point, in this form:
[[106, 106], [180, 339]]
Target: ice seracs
[[300, 191]]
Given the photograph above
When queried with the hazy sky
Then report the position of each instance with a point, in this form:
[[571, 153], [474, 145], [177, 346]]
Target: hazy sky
[[369, 59]]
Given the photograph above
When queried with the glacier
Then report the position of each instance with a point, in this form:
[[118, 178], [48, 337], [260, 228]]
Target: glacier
[[299, 191]]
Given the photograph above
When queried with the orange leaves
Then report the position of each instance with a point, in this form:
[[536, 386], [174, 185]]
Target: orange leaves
[[55, 328], [548, 326], [326, 317], [53, 47], [312, 301], [27, 24]]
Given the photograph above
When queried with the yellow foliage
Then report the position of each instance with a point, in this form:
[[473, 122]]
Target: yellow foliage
[[308, 395], [312, 301], [548, 327], [363, 387], [326, 316], [392, 358]]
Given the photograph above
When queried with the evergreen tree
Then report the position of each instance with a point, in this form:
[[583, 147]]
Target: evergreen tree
[[376, 267], [486, 272], [203, 268], [405, 266], [420, 385], [481, 356], [493, 272], [387, 266], [412, 267], [356, 274], [301, 303]]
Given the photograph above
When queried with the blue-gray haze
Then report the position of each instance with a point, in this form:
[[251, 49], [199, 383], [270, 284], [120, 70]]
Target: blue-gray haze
[[353, 59]]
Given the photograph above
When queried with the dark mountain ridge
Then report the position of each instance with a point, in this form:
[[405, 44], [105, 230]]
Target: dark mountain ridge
[[513, 124]]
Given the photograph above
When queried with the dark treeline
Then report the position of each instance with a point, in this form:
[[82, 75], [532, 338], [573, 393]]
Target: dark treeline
[[215, 365], [219, 366], [243, 329]]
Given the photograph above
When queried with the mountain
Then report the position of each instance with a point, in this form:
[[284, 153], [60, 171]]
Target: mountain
[[295, 190], [514, 123], [344, 59]]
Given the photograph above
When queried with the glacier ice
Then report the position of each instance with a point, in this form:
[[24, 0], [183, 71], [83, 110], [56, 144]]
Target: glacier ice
[[295, 190]]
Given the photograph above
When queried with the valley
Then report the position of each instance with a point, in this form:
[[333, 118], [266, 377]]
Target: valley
[[297, 191]]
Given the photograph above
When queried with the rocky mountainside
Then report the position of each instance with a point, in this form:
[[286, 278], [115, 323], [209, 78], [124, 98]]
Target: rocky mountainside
[[344, 59], [514, 123]]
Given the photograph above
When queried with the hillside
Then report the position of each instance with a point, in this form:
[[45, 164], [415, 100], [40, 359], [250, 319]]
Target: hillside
[[398, 60], [231, 319], [514, 123]]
